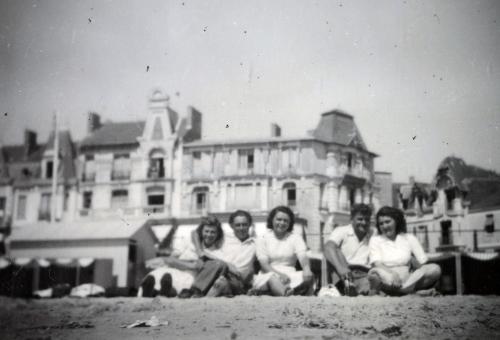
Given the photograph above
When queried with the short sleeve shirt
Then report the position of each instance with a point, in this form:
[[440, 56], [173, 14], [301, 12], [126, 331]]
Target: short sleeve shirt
[[398, 252], [355, 251], [280, 251]]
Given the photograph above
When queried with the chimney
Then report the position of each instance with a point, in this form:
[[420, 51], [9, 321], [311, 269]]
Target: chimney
[[275, 130], [29, 142], [194, 125], [93, 122]]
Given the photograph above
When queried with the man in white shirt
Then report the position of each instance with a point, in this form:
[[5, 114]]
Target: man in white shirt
[[230, 273], [347, 251]]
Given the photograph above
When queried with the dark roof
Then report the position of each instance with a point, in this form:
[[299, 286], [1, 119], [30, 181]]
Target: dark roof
[[339, 127], [122, 133], [67, 150], [482, 186], [16, 153]]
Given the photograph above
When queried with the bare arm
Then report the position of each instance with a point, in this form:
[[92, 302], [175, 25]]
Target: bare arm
[[306, 267], [334, 255]]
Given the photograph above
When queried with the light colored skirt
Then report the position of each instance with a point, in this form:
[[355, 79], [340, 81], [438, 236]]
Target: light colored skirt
[[296, 278]]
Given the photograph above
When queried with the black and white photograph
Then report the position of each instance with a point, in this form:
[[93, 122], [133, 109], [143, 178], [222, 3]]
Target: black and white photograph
[[230, 169]]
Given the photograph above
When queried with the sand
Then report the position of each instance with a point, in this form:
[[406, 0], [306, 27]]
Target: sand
[[448, 317]]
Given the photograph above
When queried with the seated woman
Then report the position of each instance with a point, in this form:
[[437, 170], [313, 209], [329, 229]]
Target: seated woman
[[277, 252], [177, 271], [391, 254]]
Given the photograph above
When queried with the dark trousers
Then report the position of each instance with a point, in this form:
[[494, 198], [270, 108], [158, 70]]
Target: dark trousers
[[211, 271]]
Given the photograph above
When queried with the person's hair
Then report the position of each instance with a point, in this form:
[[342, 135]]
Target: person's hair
[[361, 208], [211, 221], [243, 213], [394, 213], [283, 209]]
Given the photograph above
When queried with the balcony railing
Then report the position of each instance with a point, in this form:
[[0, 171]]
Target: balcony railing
[[88, 177], [120, 175], [126, 212], [155, 173]]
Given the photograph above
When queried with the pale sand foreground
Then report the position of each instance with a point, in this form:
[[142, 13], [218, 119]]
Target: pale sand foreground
[[451, 317]]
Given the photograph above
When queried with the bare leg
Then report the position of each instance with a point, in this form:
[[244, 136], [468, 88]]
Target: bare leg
[[219, 288], [276, 287], [424, 277]]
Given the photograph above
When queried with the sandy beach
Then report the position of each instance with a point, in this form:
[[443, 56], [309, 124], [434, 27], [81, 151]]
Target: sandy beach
[[448, 317]]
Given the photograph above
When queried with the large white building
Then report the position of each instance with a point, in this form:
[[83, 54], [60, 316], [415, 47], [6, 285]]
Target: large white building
[[161, 168]]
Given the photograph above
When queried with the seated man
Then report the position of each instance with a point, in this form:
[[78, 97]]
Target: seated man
[[231, 272], [347, 250]]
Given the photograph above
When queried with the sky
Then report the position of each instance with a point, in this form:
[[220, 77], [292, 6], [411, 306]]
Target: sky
[[421, 78]]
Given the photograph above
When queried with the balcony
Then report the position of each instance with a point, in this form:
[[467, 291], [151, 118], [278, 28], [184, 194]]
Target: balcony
[[155, 173], [143, 211], [88, 177]]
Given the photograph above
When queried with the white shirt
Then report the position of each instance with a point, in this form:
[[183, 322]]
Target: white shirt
[[398, 252], [240, 254], [356, 252], [283, 251]]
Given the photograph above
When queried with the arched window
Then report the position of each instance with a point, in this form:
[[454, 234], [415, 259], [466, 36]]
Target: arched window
[[290, 194]]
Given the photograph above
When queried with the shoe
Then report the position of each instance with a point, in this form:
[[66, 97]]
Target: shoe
[[148, 287], [166, 286], [196, 293], [185, 294]]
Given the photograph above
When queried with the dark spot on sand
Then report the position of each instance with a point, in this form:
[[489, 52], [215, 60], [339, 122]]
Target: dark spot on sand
[[227, 126], [147, 68], [90, 20], [413, 137]]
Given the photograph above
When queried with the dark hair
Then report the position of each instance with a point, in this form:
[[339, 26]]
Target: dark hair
[[285, 210], [394, 213], [361, 208], [240, 213], [213, 222]]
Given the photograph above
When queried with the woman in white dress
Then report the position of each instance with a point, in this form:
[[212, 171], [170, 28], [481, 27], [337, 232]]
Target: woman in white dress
[[278, 251], [177, 271], [391, 253]]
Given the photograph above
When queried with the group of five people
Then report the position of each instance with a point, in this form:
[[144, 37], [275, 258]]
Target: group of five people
[[364, 260]]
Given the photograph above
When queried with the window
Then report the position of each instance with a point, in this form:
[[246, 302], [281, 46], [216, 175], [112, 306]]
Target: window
[[349, 160], [156, 164], [244, 196], [290, 191], [21, 207], [45, 207], [245, 159], [156, 195], [49, 169], [88, 169], [87, 200], [489, 224], [66, 199], [121, 166], [2, 205], [119, 198], [446, 233], [352, 196], [288, 159], [200, 199]]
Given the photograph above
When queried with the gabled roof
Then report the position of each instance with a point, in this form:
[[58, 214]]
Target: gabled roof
[[112, 134], [77, 231]]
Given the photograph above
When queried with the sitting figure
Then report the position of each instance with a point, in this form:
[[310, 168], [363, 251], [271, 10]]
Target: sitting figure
[[177, 271], [347, 251], [278, 251], [229, 272], [391, 254]]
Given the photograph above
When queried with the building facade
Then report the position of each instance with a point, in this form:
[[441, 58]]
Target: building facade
[[161, 169]]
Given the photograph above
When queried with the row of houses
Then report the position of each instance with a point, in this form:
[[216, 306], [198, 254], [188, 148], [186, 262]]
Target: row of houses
[[121, 188], [128, 174]]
